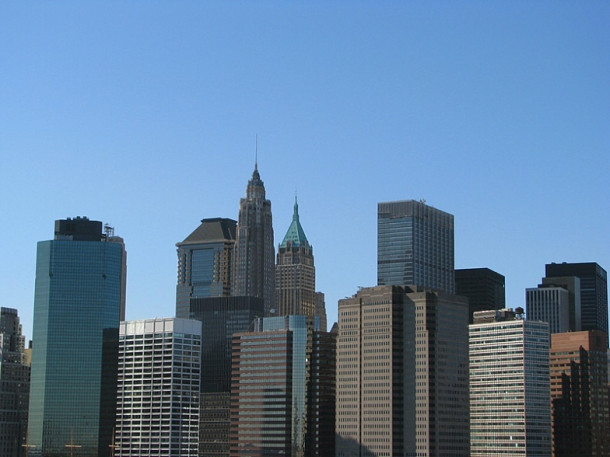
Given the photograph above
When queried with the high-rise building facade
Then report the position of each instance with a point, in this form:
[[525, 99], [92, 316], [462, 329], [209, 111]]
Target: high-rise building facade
[[295, 274], [205, 263], [593, 291], [510, 412], [14, 385], [415, 246], [549, 304], [402, 373], [78, 302], [321, 310], [579, 393], [283, 390], [483, 287], [572, 285], [221, 318], [157, 412], [254, 267]]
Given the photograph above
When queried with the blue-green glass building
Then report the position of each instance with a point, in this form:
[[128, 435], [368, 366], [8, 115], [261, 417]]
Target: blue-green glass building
[[78, 303]]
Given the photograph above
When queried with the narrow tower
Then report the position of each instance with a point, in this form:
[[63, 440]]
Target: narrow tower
[[254, 251], [295, 274]]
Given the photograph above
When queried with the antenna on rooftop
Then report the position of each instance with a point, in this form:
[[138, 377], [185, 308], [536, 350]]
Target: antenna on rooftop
[[108, 230], [256, 154]]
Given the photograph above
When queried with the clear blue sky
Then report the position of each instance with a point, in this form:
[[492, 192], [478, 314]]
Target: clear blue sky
[[143, 114]]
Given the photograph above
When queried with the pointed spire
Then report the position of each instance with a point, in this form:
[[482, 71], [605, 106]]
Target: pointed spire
[[256, 154], [256, 177], [295, 215], [295, 234]]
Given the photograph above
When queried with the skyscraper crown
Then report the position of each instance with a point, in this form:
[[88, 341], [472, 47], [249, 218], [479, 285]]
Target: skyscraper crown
[[256, 187], [295, 233]]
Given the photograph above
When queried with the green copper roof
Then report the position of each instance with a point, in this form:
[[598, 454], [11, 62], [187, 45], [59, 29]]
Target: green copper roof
[[295, 232]]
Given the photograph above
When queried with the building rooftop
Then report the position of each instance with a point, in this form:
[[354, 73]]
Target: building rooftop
[[213, 229]]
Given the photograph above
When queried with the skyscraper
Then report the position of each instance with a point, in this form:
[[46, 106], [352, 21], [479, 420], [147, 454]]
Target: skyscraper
[[483, 287], [220, 318], [593, 291], [205, 263], [402, 373], [579, 393], [295, 274], [549, 304], [254, 250], [321, 310], [415, 246], [158, 388], [282, 396], [510, 412], [78, 302], [14, 385]]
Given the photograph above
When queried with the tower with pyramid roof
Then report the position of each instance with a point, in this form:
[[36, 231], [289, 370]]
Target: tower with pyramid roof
[[254, 266], [295, 274]]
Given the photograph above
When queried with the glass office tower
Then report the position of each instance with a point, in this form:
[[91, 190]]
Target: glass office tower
[[415, 246], [78, 302], [593, 291]]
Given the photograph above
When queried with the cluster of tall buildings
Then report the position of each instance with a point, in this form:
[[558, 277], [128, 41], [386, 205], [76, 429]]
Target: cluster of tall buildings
[[427, 362]]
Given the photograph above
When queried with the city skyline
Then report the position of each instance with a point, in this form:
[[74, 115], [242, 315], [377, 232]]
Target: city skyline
[[153, 126]]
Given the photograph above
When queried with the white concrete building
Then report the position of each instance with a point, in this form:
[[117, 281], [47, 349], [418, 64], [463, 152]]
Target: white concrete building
[[158, 388], [510, 396], [549, 304]]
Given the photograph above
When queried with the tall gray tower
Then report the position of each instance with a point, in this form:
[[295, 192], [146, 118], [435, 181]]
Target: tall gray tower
[[254, 251], [415, 246]]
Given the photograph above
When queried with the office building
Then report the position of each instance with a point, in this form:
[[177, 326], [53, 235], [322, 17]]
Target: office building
[[415, 246], [157, 411], [79, 300], [593, 291], [321, 310], [484, 289], [295, 274], [220, 317], [205, 263], [572, 285], [579, 393], [254, 267], [14, 385], [549, 304], [402, 373], [282, 396], [510, 412]]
